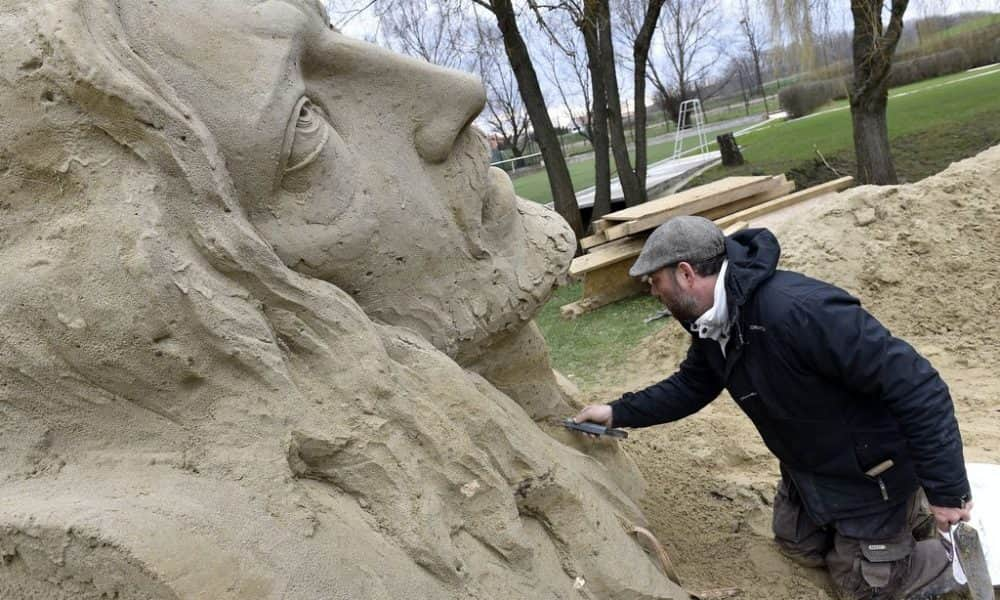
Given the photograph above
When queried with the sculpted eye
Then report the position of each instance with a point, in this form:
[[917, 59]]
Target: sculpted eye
[[309, 133]]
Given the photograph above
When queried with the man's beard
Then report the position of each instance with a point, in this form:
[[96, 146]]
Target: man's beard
[[684, 309]]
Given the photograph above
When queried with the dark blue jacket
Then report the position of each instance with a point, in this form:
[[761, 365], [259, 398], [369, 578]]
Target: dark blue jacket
[[831, 391]]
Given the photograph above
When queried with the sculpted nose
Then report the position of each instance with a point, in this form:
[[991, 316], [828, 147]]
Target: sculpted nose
[[453, 100], [431, 103]]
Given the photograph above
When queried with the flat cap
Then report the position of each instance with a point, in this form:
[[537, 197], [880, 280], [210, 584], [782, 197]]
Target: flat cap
[[689, 239]]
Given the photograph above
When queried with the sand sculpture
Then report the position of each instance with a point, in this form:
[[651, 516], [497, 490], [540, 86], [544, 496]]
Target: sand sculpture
[[259, 291]]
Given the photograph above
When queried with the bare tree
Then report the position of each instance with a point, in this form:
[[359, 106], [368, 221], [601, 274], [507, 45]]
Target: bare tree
[[593, 18], [641, 31], [566, 72], [874, 44], [428, 29], [505, 112], [754, 38], [598, 13], [583, 17], [560, 183], [687, 30]]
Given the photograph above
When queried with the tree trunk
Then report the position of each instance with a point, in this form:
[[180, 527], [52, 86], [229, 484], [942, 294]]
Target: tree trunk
[[560, 183], [640, 56], [730, 150], [599, 122], [760, 82], [619, 146], [602, 156], [873, 52], [871, 143]]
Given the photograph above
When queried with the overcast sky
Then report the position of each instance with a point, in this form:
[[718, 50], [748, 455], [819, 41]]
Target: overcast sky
[[364, 26]]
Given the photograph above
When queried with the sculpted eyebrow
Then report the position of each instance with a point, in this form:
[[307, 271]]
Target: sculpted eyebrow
[[313, 7]]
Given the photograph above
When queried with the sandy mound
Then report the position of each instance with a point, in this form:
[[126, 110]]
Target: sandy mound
[[924, 259]]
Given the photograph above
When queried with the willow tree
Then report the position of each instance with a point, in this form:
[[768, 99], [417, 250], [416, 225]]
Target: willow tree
[[873, 47]]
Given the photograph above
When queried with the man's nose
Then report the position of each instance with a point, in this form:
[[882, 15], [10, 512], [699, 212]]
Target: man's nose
[[437, 103]]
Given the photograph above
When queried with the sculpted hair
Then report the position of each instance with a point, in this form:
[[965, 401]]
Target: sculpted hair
[[149, 278]]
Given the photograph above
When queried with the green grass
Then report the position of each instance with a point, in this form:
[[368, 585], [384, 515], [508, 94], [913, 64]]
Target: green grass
[[738, 111], [585, 347], [777, 148], [782, 147]]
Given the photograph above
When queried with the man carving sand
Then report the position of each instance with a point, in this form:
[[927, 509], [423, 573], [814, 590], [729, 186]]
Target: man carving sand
[[862, 425]]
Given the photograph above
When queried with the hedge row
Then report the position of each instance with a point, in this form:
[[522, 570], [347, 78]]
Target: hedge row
[[973, 51]]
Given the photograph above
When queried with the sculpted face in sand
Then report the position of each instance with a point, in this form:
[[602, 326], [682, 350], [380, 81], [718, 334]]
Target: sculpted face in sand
[[360, 167], [252, 272]]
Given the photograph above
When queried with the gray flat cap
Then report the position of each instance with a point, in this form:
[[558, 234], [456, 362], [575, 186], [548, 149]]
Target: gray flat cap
[[688, 239]]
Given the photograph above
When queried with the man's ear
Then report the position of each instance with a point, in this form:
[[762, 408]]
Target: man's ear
[[685, 273]]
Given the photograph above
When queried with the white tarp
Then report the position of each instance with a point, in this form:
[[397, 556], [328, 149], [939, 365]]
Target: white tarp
[[985, 482]]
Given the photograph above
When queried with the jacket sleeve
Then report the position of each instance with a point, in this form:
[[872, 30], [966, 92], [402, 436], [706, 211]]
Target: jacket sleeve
[[685, 392], [848, 344]]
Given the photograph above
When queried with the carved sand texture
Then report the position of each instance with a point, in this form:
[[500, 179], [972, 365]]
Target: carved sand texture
[[260, 295]]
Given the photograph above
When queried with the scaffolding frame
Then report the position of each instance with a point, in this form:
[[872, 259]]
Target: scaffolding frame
[[690, 113]]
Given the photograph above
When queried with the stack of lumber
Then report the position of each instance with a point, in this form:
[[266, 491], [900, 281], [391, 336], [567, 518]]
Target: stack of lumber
[[619, 236]]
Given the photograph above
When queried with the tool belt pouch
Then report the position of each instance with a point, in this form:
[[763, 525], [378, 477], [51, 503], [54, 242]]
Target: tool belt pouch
[[879, 557]]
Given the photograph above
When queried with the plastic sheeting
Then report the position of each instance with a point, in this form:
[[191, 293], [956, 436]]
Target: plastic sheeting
[[985, 482]]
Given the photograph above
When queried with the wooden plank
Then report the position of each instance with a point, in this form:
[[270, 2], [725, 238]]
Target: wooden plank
[[737, 226], [604, 286], [762, 209], [606, 255], [680, 199], [593, 240], [600, 225], [784, 187], [612, 281], [654, 220]]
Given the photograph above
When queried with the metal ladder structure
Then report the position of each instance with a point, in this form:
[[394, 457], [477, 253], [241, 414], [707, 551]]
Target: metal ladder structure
[[690, 113]]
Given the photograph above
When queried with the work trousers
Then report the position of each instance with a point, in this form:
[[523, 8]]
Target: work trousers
[[888, 556]]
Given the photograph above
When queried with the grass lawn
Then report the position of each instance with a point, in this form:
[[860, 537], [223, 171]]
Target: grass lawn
[[782, 147], [586, 346], [929, 112]]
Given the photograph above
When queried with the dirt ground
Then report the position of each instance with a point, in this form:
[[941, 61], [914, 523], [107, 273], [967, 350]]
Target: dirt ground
[[925, 260]]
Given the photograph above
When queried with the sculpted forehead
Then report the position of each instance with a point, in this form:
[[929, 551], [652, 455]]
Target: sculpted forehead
[[227, 45]]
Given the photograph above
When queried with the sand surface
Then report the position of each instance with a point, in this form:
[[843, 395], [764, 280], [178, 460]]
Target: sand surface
[[925, 260]]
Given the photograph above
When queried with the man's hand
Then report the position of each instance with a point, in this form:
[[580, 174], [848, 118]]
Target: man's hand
[[946, 516], [595, 413]]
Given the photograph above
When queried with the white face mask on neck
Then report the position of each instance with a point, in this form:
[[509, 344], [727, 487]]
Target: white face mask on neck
[[715, 322]]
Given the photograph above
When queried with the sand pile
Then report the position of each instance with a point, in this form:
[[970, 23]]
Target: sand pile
[[924, 259]]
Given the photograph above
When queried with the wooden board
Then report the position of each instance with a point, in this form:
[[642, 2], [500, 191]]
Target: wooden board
[[593, 240], [606, 255], [762, 209], [604, 286], [783, 188], [651, 221], [722, 187]]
